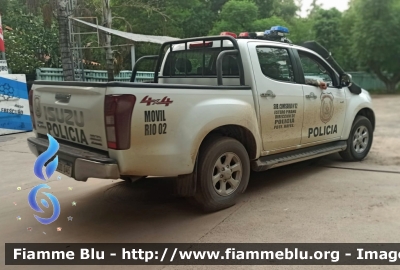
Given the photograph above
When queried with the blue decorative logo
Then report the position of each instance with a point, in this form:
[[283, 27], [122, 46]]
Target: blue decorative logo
[[50, 169], [32, 202], [46, 156]]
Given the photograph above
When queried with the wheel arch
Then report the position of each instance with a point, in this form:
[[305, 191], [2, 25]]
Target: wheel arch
[[368, 113], [186, 185], [240, 133]]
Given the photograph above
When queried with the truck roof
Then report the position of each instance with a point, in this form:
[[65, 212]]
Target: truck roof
[[227, 44]]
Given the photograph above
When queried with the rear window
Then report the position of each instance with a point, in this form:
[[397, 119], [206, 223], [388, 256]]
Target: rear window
[[199, 62]]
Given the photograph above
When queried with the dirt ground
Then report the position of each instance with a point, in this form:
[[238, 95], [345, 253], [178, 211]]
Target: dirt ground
[[328, 201], [387, 134]]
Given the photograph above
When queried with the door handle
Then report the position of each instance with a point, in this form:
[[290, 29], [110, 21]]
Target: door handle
[[311, 96], [269, 93]]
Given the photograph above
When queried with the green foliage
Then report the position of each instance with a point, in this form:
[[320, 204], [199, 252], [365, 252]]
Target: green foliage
[[286, 9], [327, 30], [301, 30], [200, 24], [365, 37], [236, 16], [29, 45], [376, 39], [281, 8], [345, 57], [267, 23]]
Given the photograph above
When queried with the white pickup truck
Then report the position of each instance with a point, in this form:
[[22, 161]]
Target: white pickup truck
[[218, 107]]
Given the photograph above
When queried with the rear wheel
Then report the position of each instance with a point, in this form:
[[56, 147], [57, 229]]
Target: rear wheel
[[223, 173], [360, 140]]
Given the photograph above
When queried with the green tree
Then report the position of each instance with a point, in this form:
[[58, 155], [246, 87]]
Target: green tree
[[301, 30], [216, 5], [236, 16], [265, 24], [48, 9], [376, 39], [327, 29], [314, 7], [29, 45], [200, 21], [346, 58], [285, 9]]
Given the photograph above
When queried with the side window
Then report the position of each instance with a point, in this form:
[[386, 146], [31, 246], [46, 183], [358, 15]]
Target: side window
[[190, 63], [315, 69], [230, 66], [275, 63], [181, 63]]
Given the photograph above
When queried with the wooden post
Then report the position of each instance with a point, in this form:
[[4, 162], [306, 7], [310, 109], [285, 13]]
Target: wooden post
[[65, 46], [107, 22]]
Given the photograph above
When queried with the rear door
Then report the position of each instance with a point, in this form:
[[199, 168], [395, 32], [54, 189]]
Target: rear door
[[71, 113], [280, 97]]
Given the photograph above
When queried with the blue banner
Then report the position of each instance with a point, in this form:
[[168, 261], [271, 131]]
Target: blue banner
[[14, 104]]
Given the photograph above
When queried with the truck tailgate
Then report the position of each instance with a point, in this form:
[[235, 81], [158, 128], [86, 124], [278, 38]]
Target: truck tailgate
[[71, 113]]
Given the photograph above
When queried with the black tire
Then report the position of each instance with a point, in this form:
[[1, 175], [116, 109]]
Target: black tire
[[350, 154], [207, 195], [132, 180]]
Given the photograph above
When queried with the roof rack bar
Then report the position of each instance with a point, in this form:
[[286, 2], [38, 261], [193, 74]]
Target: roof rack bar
[[141, 59], [220, 58], [187, 40]]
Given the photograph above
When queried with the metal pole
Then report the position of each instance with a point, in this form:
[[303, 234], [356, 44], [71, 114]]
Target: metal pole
[[133, 56], [80, 54]]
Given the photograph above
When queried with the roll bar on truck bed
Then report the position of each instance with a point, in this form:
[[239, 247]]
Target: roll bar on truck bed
[[220, 57]]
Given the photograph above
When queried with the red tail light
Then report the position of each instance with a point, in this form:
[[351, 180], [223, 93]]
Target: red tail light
[[117, 116], [31, 109]]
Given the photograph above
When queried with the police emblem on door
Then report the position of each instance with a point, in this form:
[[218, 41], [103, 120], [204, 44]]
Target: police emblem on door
[[327, 108]]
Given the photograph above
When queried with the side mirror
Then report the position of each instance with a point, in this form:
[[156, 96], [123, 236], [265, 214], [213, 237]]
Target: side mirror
[[346, 80]]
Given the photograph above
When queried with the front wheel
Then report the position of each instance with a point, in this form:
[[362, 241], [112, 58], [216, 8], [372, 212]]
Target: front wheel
[[360, 140], [223, 173]]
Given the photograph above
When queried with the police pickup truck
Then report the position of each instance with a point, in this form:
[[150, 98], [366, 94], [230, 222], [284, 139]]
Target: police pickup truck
[[218, 107]]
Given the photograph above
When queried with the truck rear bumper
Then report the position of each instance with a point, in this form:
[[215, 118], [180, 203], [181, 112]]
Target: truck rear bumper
[[85, 164]]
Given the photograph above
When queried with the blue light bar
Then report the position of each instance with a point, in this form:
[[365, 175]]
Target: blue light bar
[[280, 29]]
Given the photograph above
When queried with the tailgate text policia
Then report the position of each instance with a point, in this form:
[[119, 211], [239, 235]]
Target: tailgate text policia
[[71, 120]]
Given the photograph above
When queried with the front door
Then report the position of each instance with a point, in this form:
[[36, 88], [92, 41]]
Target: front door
[[324, 110], [280, 98]]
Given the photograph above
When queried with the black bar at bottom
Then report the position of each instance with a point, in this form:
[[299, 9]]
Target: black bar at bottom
[[202, 254]]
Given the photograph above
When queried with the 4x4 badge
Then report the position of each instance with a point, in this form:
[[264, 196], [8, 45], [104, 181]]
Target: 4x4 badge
[[150, 101]]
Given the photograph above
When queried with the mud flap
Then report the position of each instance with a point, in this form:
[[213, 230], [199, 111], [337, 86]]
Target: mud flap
[[185, 185]]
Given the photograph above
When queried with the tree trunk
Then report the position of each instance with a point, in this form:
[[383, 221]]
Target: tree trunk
[[391, 86], [390, 83], [107, 21], [63, 28]]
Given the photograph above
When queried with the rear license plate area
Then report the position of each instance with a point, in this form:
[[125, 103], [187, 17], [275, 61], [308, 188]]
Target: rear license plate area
[[64, 167]]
